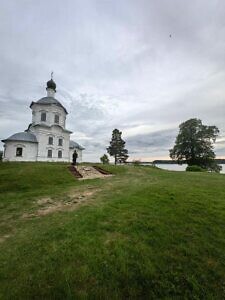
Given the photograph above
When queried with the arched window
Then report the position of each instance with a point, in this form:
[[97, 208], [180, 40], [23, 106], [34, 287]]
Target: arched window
[[43, 116], [19, 151], [57, 119], [50, 140], [59, 154], [49, 153], [60, 142]]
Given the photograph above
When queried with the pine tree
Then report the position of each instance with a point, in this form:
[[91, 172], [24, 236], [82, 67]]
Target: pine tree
[[117, 147]]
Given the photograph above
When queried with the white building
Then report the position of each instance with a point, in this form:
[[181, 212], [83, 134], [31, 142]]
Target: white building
[[46, 138]]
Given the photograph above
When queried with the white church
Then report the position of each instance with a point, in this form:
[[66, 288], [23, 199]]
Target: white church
[[46, 138]]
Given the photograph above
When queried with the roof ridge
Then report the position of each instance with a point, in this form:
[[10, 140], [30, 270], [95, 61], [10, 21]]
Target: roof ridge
[[48, 101], [25, 136]]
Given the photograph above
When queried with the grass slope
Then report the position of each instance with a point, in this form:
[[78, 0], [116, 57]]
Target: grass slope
[[146, 233]]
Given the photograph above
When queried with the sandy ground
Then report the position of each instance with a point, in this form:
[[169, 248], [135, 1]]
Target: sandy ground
[[88, 172]]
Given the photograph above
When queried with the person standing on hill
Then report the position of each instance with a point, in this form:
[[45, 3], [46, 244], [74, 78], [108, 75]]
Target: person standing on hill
[[75, 158]]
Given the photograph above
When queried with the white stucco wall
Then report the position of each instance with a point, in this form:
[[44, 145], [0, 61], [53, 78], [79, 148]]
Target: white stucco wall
[[56, 133], [29, 151], [50, 92], [51, 110]]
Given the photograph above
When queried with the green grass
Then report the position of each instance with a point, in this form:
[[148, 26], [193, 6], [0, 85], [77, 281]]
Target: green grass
[[144, 234]]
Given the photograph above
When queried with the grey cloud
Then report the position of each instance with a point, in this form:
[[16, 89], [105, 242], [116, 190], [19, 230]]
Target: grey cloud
[[159, 141]]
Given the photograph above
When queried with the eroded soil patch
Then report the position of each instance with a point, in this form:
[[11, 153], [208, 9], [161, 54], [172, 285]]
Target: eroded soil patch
[[67, 202], [89, 172]]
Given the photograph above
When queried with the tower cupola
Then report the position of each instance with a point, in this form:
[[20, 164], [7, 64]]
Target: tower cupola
[[51, 87]]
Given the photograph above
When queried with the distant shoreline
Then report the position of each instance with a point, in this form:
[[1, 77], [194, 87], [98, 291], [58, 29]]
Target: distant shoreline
[[169, 162]]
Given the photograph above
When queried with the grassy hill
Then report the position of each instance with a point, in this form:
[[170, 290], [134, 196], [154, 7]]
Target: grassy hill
[[144, 233]]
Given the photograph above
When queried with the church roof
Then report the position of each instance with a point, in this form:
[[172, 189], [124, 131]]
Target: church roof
[[74, 145], [49, 100], [48, 126], [23, 137]]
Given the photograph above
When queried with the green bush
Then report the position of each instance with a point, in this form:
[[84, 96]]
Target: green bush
[[136, 162], [195, 169], [104, 159]]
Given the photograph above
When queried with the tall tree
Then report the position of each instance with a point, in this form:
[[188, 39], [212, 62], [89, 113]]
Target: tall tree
[[117, 147], [194, 143]]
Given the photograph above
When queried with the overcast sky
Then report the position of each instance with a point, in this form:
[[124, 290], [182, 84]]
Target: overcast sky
[[142, 66]]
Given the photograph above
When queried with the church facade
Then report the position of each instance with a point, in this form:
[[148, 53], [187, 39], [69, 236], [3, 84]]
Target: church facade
[[46, 138]]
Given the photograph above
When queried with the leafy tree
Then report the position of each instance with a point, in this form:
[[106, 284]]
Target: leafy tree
[[1, 155], [117, 147], [194, 143], [104, 159]]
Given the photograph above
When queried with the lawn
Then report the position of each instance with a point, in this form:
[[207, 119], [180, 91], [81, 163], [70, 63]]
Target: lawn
[[144, 233]]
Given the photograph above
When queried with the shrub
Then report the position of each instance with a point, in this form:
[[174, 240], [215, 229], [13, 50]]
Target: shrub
[[104, 159], [195, 169], [136, 162]]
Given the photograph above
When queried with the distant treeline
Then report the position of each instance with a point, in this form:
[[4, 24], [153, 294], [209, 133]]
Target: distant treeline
[[153, 162], [218, 160], [173, 162], [161, 161]]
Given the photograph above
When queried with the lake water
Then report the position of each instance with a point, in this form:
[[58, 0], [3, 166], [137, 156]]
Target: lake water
[[174, 167]]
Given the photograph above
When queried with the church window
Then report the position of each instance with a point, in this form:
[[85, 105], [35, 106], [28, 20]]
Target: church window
[[19, 151], [50, 140], [49, 153], [43, 117], [59, 154], [60, 142], [57, 119]]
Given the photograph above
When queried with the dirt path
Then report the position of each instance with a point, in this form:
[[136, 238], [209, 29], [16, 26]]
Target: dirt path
[[70, 201]]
